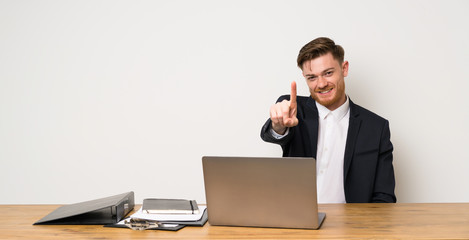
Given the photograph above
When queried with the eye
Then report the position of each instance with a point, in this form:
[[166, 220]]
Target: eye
[[312, 78], [328, 73]]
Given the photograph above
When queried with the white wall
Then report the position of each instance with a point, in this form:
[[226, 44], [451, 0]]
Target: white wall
[[103, 97]]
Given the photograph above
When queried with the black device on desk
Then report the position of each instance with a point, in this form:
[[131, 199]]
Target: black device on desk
[[100, 211]]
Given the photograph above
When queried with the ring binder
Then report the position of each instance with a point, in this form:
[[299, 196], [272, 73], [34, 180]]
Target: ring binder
[[100, 211]]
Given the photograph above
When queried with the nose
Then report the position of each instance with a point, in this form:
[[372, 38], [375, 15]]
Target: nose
[[322, 83]]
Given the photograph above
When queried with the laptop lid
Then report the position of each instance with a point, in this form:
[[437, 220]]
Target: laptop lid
[[261, 192]]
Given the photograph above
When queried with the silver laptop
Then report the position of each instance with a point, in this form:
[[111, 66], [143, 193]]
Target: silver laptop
[[261, 192]]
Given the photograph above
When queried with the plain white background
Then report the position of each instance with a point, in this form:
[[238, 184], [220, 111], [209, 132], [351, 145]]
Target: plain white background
[[102, 97]]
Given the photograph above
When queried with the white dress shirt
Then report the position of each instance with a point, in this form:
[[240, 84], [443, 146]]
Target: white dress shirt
[[332, 137]]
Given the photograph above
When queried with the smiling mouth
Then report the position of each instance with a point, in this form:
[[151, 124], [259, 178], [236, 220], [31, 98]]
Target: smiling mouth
[[325, 91]]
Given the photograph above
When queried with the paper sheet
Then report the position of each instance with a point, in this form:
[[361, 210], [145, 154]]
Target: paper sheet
[[169, 217]]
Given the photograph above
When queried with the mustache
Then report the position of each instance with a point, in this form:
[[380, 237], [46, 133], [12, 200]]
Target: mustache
[[323, 89]]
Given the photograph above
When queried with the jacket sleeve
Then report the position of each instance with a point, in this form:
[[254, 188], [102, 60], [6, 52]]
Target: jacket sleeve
[[267, 136], [384, 182]]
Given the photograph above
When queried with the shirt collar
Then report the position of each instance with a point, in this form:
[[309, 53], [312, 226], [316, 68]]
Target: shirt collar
[[338, 113]]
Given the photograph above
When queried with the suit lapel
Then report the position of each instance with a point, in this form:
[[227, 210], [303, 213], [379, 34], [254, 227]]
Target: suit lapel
[[352, 134], [353, 129]]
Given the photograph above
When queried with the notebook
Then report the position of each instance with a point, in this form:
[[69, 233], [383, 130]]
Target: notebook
[[170, 206], [261, 192]]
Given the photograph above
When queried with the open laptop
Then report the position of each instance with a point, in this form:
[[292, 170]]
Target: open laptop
[[261, 192]]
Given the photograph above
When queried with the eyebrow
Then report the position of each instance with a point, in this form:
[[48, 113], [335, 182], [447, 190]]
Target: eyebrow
[[326, 70]]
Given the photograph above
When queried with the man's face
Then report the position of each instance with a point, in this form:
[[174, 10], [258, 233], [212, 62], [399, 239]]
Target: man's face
[[325, 78]]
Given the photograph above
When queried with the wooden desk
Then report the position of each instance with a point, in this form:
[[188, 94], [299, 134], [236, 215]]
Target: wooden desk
[[343, 221]]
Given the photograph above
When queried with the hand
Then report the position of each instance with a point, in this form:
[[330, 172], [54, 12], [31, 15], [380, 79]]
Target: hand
[[283, 114]]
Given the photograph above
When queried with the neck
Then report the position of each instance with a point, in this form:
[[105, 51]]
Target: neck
[[337, 104]]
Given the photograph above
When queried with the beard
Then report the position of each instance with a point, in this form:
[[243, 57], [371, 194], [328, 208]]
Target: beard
[[334, 101]]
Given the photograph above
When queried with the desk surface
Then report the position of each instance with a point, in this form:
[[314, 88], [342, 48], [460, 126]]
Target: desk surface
[[343, 221]]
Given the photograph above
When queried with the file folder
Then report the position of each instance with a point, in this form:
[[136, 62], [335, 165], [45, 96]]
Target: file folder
[[100, 211]]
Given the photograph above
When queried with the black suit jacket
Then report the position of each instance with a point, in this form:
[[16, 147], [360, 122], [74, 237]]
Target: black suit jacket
[[368, 169]]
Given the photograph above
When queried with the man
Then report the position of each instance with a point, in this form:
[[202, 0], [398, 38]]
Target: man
[[351, 145]]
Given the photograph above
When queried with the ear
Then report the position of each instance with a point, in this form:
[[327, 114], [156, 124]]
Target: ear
[[345, 68]]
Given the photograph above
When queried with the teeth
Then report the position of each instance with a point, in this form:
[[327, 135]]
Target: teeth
[[325, 91]]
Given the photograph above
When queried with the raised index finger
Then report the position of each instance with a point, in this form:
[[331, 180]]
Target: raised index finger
[[293, 95]]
